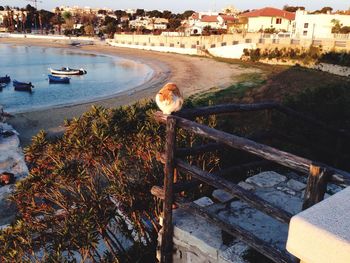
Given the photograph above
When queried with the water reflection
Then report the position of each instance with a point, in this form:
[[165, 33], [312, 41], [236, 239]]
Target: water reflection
[[106, 76]]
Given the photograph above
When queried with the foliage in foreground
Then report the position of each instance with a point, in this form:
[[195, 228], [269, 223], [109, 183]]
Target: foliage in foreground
[[88, 194], [83, 186]]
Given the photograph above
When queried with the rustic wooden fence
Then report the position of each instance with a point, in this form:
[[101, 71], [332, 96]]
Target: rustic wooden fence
[[319, 174]]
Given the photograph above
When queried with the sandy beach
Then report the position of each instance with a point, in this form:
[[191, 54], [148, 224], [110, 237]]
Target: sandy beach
[[191, 73]]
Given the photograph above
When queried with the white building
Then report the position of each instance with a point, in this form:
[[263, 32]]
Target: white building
[[198, 21], [268, 18], [149, 23], [130, 11], [317, 25], [75, 10]]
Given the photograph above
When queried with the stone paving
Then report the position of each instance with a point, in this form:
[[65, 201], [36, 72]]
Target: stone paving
[[12, 161], [196, 240]]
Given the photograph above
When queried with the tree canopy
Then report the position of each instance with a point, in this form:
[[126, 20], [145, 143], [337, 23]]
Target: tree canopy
[[293, 8]]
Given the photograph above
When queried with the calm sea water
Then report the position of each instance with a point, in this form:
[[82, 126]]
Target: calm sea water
[[106, 76]]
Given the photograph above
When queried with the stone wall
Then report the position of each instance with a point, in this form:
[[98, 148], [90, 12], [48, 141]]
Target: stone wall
[[11, 161], [215, 41]]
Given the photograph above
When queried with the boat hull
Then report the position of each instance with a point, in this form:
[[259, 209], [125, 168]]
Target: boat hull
[[69, 72], [58, 80], [22, 86], [5, 79]]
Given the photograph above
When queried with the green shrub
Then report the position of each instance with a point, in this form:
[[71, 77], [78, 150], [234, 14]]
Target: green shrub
[[338, 58], [98, 176]]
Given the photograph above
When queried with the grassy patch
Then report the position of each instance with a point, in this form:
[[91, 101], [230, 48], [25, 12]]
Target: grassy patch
[[247, 81], [267, 69]]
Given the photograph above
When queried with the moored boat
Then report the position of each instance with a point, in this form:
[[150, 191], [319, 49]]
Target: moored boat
[[67, 71], [22, 86], [57, 79], [5, 79]]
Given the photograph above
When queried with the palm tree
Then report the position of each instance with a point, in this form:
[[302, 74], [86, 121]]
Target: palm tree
[[17, 23], [41, 22], [57, 19], [24, 20]]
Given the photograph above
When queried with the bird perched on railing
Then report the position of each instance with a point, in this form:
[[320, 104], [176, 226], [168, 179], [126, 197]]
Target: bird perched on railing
[[169, 99]]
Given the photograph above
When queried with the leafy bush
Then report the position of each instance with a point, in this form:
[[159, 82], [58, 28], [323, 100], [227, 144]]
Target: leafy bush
[[338, 58], [88, 194], [314, 53]]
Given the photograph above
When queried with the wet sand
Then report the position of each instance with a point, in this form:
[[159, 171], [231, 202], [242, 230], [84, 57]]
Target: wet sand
[[191, 73]]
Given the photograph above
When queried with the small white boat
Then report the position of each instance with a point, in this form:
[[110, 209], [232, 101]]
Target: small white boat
[[67, 71]]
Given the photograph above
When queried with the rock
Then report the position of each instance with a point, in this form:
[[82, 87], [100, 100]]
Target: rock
[[295, 185], [256, 222], [266, 179], [222, 196], [7, 178], [204, 201], [191, 231], [286, 190], [234, 253], [12, 167], [289, 203], [7, 208], [246, 186]]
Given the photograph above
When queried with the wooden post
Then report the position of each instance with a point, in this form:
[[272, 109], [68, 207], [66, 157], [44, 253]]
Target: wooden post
[[166, 251], [316, 185]]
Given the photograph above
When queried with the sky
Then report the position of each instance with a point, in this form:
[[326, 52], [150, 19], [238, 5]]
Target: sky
[[182, 5]]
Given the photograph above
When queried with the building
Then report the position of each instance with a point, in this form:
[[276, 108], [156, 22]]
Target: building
[[130, 11], [76, 10], [150, 23], [199, 21], [267, 18], [317, 25]]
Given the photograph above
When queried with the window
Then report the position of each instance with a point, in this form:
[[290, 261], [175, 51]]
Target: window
[[278, 20], [305, 33], [306, 25]]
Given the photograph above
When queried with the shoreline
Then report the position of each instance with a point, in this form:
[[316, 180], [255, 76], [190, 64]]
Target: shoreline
[[192, 74]]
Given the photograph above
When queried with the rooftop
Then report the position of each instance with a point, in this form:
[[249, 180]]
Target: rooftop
[[270, 11]]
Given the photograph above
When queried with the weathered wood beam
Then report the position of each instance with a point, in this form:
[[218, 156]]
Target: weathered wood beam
[[316, 186], [240, 233], [235, 190], [166, 251]]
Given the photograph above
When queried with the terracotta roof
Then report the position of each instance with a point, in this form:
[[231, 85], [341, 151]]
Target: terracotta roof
[[228, 18], [209, 19], [270, 11]]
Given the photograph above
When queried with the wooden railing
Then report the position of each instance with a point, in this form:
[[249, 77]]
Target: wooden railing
[[318, 174]]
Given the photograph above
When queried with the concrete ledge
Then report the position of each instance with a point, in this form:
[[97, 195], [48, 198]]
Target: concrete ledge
[[321, 233]]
